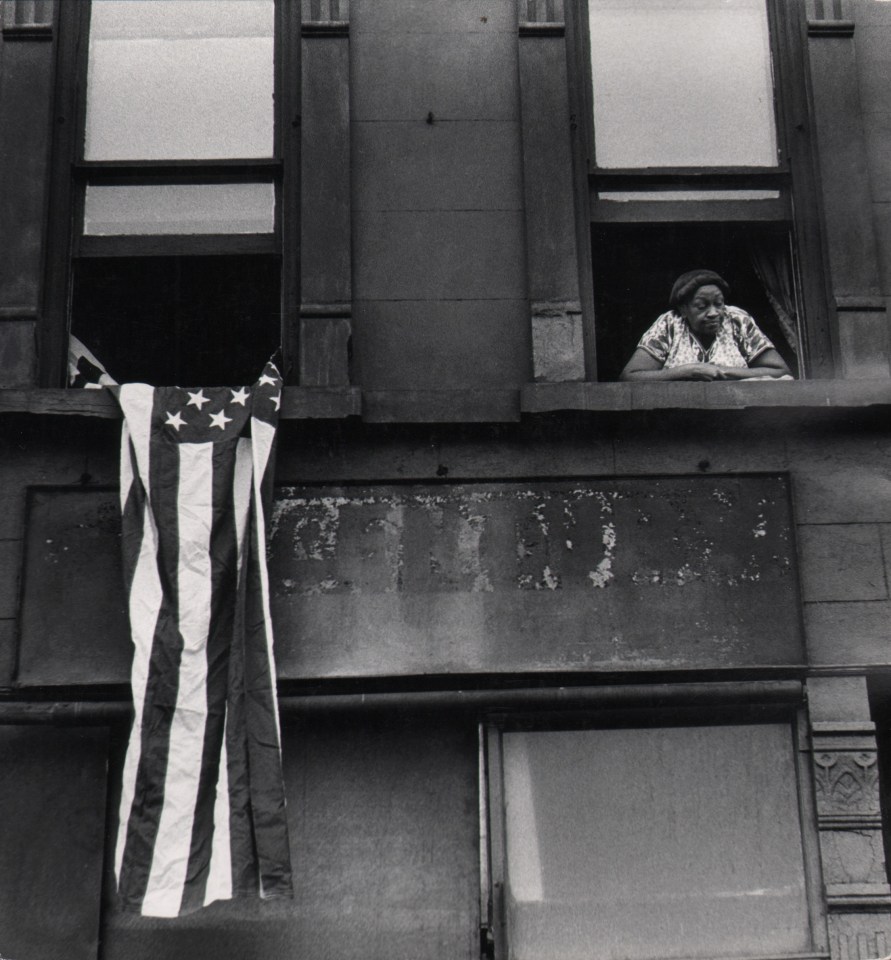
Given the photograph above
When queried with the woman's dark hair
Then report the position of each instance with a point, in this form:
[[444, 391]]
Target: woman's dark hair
[[688, 283]]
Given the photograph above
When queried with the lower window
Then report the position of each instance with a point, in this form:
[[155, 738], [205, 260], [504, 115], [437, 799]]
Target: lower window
[[631, 844]]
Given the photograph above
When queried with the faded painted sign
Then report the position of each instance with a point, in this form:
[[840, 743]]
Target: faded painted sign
[[607, 574], [628, 574]]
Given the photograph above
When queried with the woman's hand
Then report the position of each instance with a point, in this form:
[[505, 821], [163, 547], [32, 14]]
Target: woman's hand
[[700, 371], [644, 366], [767, 365]]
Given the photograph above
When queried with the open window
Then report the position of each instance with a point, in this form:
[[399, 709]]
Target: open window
[[633, 840], [698, 156], [639, 262], [173, 254], [188, 320]]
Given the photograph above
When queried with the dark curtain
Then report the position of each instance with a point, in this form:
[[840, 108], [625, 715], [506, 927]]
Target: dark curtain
[[772, 263]]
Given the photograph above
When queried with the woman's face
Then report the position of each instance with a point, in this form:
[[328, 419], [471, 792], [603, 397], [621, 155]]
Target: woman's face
[[705, 310]]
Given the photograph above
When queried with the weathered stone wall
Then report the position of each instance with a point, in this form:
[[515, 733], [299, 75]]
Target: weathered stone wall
[[439, 282]]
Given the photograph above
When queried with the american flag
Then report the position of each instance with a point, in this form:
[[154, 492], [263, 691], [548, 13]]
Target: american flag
[[202, 814]]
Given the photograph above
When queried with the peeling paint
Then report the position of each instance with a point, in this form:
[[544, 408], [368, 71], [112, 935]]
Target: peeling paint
[[453, 537], [685, 574], [538, 513], [323, 586], [601, 576], [646, 576], [470, 536], [392, 528], [719, 496]]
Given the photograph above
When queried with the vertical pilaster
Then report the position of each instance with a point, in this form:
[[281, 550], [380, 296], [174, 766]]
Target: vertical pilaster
[[325, 235], [845, 769], [558, 347], [863, 339], [26, 32]]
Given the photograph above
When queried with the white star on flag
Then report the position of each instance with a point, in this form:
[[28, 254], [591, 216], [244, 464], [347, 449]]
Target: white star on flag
[[239, 395], [267, 379], [197, 399], [277, 400], [174, 420], [220, 419]]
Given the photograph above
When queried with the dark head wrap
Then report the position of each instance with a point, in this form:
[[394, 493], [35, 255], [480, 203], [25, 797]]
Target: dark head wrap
[[688, 283]]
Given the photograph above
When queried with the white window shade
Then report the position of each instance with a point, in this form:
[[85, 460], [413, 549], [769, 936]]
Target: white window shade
[[682, 83], [654, 843], [179, 209], [180, 80]]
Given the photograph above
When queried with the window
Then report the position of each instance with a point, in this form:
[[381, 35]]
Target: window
[[183, 187], [637, 842], [682, 84], [698, 157], [637, 263]]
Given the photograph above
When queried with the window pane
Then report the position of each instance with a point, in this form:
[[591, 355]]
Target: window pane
[[179, 208], [682, 83], [633, 844], [180, 79]]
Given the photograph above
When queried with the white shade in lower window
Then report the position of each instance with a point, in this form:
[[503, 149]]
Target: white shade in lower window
[[665, 842]]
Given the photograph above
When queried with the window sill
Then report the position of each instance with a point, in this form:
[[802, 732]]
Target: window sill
[[687, 395], [466, 405], [299, 403]]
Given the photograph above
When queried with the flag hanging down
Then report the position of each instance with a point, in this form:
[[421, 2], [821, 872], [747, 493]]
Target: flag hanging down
[[202, 814]]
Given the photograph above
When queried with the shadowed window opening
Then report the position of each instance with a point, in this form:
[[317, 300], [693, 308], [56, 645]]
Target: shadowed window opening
[[178, 320]]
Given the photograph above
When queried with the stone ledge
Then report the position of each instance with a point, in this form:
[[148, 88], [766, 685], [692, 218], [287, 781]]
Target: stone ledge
[[473, 405], [464, 405], [842, 896], [299, 403], [552, 397]]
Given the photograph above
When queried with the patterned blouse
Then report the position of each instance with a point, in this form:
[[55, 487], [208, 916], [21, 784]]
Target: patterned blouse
[[671, 341]]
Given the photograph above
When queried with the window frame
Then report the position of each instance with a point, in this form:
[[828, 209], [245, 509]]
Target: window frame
[[795, 175], [70, 174], [728, 708]]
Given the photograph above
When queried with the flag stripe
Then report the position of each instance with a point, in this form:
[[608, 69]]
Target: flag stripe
[[263, 440], [164, 654], [139, 544], [140, 578], [224, 558], [128, 473], [220, 881], [218, 885], [241, 833], [194, 520], [267, 788], [268, 803]]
